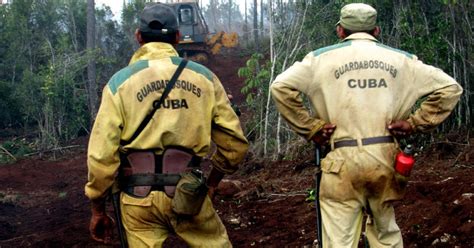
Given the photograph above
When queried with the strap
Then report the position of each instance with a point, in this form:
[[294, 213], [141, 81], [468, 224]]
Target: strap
[[365, 141], [157, 104], [141, 179], [377, 140]]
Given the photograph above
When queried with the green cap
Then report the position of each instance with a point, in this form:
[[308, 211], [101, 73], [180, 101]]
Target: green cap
[[358, 17]]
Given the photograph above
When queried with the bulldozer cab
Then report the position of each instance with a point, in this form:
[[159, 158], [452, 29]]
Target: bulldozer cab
[[196, 43]]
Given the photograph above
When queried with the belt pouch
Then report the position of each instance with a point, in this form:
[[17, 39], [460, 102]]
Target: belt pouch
[[190, 194]]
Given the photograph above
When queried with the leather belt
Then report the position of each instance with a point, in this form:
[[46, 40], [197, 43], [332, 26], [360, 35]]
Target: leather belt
[[365, 141]]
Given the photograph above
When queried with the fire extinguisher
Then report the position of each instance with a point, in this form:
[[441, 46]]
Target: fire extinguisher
[[404, 161]]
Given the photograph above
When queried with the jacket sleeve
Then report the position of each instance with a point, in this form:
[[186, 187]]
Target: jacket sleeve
[[102, 155], [442, 94], [287, 92], [226, 133]]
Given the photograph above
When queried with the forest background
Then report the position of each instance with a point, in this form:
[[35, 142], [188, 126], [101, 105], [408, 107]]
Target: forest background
[[57, 55]]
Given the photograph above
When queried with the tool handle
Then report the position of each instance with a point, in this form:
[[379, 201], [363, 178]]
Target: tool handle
[[317, 155], [317, 158], [118, 219]]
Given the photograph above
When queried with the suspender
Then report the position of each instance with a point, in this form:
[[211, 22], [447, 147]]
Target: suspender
[[157, 104]]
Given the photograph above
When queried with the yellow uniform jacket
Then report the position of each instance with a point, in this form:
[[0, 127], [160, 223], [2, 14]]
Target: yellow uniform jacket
[[362, 85], [196, 110]]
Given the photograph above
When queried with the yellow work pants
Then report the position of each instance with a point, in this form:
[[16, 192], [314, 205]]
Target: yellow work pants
[[357, 180], [148, 221]]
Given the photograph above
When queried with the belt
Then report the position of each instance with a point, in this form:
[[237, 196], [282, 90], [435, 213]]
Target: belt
[[142, 179], [365, 141], [156, 180]]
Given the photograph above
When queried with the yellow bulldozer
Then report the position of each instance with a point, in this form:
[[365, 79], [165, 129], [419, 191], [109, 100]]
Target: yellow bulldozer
[[197, 43]]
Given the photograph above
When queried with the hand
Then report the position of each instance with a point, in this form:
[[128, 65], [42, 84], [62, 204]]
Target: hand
[[400, 129], [322, 136], [101, 225]]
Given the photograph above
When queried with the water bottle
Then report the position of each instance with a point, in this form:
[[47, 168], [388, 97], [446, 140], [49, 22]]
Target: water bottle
[[404, 161]]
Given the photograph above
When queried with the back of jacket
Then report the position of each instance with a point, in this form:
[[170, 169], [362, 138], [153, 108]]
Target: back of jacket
[[361, 85], [196, 110]]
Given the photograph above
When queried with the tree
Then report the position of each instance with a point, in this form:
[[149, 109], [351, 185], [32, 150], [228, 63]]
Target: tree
[[130, 22], [439, 33], [245, 28], [229, 15], [223, 15], [91, 70], [255, 26]]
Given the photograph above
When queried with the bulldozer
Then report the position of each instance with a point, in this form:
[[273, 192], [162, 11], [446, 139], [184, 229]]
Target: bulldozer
[[196, 42]]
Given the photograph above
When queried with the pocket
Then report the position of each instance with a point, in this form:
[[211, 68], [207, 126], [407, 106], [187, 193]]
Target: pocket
[[137, 201], [331, 165]]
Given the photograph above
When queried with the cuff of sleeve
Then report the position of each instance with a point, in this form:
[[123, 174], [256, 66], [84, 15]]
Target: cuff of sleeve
[[318, 126], [93, 193]]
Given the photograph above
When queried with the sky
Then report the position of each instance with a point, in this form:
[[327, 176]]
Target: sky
[[116, 5]]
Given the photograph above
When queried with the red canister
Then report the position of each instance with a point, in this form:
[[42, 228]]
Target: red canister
[[404, 161]]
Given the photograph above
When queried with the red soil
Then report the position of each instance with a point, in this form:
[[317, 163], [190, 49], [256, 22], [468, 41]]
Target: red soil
[[42, 203]]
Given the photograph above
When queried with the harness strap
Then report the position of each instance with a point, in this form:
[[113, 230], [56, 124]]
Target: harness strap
[[365, 141], [150, 180]]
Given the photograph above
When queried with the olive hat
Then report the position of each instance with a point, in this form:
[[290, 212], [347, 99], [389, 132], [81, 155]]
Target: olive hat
[[358, 17]]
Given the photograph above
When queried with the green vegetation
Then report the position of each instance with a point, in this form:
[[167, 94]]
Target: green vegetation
[[310, 195], [438, 32], [11, 150], [44, 89], [62, 194], [43, 67]]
